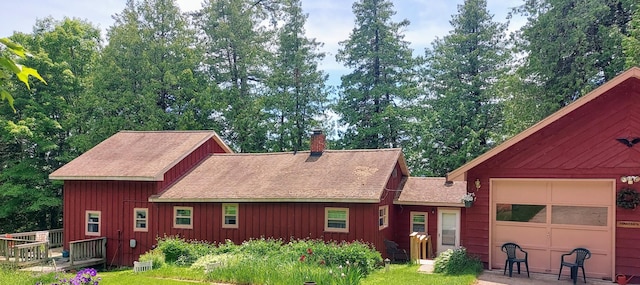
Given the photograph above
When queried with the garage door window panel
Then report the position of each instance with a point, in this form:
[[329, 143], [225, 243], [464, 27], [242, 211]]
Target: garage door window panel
[[521, 213], [578, 215]]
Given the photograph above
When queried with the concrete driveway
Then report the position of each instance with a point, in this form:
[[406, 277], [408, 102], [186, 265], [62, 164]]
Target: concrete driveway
[[495, 277]]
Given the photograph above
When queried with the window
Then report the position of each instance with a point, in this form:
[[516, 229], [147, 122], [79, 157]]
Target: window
[[579, 215], [418, 222], [521, 213], [93, 223], [230, 216], [140, 219], [182, 217], [336, 219], [383, 217]]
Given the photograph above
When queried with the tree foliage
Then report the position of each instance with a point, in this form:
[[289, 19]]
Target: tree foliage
[[236, 59], [297, 92], [373, 98], [38, 137], [571, 47], [146, 77], [462, 76], [9, 67]]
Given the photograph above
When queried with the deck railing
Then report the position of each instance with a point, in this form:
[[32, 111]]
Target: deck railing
[[31, 253], [54, 236], [420, 246], [23, 251], [95, 248]]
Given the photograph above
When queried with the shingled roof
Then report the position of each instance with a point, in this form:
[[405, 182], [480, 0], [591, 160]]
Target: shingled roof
[[134, 155], [431, 191], [358, 176]]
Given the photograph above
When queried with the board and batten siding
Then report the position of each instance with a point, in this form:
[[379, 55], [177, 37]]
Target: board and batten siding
[[285, 220], [403, 223], [581, 145], [269, 220], [187, 163], [115, 200]]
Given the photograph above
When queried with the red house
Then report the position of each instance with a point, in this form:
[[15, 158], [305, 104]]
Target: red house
[[555, 186], [136, 186]]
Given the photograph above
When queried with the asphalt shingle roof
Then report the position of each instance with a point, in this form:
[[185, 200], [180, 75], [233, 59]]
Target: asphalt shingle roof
[[335, 176], [129, 155]]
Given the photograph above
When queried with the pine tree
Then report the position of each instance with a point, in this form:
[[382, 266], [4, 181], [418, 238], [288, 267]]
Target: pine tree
[[147, 73], [374, 96], [462, 73], [236, 60], [571, 47], [296, 87]]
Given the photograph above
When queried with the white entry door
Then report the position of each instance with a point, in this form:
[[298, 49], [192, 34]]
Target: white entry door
[[448, 229]]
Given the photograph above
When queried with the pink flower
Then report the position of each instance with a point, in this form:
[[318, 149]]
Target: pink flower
[[309, 251], [302, 257]]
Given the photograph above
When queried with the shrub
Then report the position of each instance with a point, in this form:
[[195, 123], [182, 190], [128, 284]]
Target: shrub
[[154, 255], [183, 252], [456, 261]]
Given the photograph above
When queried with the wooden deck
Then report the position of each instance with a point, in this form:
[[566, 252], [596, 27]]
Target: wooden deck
[[33, 251]]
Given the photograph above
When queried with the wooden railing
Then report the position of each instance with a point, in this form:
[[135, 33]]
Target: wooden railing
[[93, 250], [30, 253], [420, 246], [54, 236], [23, 251]]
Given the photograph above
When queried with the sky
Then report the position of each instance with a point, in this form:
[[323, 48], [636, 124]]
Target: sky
[[329, 21]]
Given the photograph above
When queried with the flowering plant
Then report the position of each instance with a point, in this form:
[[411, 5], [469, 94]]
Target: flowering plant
[[469, 197], [87, 276]]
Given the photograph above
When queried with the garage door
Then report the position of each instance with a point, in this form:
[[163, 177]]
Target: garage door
[[550, 217]]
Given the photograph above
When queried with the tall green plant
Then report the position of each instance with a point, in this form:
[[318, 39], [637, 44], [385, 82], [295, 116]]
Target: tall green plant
[[462, 109], [569, 48], [297, 92], [375, 95]]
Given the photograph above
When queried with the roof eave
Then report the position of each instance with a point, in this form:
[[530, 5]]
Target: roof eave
[[460, 174], [261, 200], [427, 203], [103, 178]]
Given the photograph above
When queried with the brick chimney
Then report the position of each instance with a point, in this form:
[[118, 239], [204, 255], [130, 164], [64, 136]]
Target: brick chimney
[[317, 142]]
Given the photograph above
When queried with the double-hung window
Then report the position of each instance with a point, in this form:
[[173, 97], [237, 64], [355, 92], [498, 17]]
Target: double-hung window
[[336, 220], [230, 216], [93, 223], [383, 217], [140, 219], [183, 217]]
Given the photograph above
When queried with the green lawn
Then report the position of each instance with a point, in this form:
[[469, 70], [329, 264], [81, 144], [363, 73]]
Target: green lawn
[[172, 275]]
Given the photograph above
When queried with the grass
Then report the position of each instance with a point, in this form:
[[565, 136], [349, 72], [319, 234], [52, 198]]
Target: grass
[[408, 274], [174, 275], [168, 275]]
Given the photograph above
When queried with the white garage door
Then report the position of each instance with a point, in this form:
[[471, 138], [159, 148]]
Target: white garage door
[[550, 217]]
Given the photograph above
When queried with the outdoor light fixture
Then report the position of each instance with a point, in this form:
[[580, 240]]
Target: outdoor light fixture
[[630, 179], [478, 184]]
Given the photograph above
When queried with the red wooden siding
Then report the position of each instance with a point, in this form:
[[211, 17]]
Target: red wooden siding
[[388, 196], [276, 220], [115, 200], [403, 224], [186, 164], [579, 145]]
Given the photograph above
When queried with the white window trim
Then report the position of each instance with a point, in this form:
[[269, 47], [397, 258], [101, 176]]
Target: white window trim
[[326, 220], [224, 224], [175, 217], [136, 219], [426, 220], [384, 217], [86, 223]]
